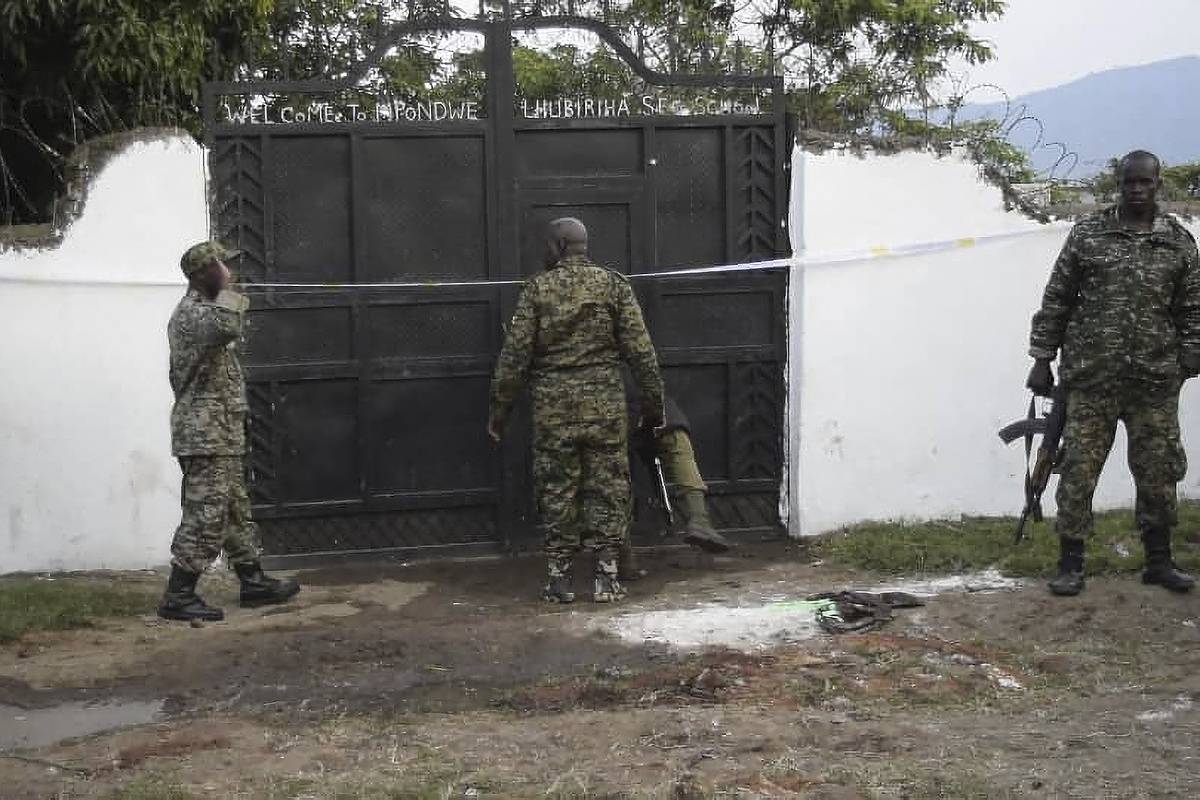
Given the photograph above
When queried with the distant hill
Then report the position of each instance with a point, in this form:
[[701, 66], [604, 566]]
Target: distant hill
[[1106, 114]]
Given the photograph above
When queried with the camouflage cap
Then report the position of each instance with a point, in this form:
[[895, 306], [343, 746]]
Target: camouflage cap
[[199, 256]]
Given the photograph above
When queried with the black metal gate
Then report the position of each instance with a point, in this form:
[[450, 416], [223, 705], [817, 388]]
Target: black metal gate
[[390, 253]]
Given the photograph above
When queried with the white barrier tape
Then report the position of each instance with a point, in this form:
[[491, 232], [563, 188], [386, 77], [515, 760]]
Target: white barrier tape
[[398, 285], [865, 254], [923, 248], [750, 266], [74, 280]]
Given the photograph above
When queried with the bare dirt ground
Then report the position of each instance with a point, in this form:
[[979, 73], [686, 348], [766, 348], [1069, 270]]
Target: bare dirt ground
[[452, 680]]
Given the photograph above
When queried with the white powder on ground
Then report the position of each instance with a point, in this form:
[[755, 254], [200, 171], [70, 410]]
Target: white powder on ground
[[756, 625]]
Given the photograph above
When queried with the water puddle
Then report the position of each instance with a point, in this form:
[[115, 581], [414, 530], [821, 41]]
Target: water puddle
[[22, 728]]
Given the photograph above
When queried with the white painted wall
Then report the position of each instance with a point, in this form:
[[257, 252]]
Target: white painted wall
[[853, 201], [903, 368], [85, 465]]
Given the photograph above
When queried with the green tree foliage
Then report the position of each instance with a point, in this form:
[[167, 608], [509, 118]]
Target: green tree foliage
[[72, 69], [567, 71], [984, 137], [1104, 184], [340, 39], [327, 38], [75, 69], [857, 59], [1181, 182], [847, 62]]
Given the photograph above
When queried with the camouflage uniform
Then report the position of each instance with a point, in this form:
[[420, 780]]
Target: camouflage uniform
[[208, 433], [573, 326], [1124, 306]]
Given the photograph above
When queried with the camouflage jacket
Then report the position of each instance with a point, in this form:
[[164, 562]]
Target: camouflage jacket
[[1121, 304], [210, 394], [573, 326]]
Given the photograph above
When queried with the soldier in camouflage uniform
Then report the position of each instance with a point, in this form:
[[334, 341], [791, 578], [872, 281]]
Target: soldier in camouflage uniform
[[208, 436], [575, 323], [1123, 304]]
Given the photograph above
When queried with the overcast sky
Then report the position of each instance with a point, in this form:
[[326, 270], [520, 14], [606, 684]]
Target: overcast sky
[[1044, 43]]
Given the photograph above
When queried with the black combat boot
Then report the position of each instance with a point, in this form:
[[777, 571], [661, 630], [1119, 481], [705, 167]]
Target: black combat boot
[[1070, 568], [607, 586], [560, 585], [259, 589], [1160, 569], [699, 531], [627, 563], [181, 602]]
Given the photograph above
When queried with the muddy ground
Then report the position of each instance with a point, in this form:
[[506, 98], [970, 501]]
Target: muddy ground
[[452, 680]]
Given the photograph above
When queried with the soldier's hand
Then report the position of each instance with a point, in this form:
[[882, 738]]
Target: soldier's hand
[[642, 436], [494, 433], [650, 428], [1041, 378]]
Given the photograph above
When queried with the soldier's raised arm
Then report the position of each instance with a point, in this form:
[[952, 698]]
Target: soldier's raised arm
[[638, 351], [220, 321], [516, 354], [218, 314]]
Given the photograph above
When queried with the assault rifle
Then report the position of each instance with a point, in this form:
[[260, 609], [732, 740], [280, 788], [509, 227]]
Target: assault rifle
[[645, 444], [1050, 428]]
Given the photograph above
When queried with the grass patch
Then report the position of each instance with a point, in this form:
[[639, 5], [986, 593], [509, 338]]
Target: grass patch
[[28, 605], [960, 785], [912, 782], [150, 787], [370, 787], [155, 787], [976, 543]]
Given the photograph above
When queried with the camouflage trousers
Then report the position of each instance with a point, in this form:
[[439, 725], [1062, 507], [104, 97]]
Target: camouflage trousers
[[1156, 456], [581, 481], [216, 514]]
